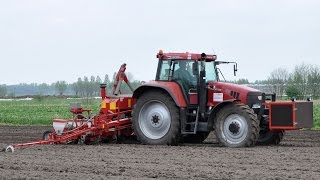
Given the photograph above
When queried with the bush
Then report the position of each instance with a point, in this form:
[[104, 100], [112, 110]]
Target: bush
[[316, 116], [292, 91]]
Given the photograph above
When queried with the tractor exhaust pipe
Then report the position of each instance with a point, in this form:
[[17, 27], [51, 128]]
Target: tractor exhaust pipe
[[202, 95], [103, 91]]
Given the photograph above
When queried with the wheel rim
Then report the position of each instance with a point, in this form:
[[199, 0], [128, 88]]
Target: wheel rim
[[154, 119], [235, 129]]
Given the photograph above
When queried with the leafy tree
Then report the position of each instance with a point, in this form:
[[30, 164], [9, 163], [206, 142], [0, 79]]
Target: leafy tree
[[314, 81], [98, 80], [75, 88], [292, 91], [108, 82], [93, 86], [80, 87], [106, 79], [61, 87], [97, 85], [43, 89], [86, 86], [299, 78], [278, 80]]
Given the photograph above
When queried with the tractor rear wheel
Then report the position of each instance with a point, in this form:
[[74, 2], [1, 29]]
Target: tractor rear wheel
[[270, 137], [195, 138], [236, 125], [155, 119]]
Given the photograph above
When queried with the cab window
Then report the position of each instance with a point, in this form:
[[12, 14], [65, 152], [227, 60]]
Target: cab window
[[210, 72], [164, 70]]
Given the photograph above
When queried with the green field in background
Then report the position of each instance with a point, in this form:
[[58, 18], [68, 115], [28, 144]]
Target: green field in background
[[42, 111], [316, 114]]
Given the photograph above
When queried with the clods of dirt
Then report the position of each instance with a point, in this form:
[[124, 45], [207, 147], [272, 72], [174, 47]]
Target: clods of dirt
[[297, 157]]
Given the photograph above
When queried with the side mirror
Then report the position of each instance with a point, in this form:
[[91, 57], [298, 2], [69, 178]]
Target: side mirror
[[195, 69], [235, 69]]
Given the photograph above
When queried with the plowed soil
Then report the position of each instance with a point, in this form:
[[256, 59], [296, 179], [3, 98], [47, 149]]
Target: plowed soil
[[297, 157]]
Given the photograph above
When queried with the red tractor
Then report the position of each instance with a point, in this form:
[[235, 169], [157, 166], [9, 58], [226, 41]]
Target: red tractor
[[187, 101]]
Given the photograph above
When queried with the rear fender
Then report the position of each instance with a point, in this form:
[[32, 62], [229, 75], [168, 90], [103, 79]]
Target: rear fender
[[171, 88]]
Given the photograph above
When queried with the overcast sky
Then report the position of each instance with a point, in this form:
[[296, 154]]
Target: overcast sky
[[45, 41]]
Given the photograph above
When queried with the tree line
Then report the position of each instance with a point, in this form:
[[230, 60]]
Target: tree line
[[83, 87], [302, 82]]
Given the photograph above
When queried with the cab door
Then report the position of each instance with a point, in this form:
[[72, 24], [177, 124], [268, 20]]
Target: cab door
[[185, 74]]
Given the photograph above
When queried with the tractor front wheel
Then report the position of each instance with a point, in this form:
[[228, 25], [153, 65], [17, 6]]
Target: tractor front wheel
[[155, 119], [236, 125]]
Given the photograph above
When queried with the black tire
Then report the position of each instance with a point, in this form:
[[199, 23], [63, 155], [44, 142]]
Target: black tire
[[236, 125], [155, 119], [45, 135], [270, 137], [195, 138]]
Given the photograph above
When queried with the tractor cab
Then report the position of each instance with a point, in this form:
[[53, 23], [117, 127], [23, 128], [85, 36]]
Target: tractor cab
[[188, 70], [192, 73]]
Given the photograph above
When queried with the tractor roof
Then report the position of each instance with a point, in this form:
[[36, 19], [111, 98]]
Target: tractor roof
[[186, 56]]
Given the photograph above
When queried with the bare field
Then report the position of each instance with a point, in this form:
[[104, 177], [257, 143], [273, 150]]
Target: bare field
[[297, 157]]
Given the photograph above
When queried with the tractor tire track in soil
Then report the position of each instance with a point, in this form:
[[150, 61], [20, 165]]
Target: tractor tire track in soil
[[297, 157]]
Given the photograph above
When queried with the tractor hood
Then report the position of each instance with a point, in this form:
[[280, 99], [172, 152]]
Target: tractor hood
[[245, 94]]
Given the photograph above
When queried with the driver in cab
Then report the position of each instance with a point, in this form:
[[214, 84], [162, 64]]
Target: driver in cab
[[182, 73]]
